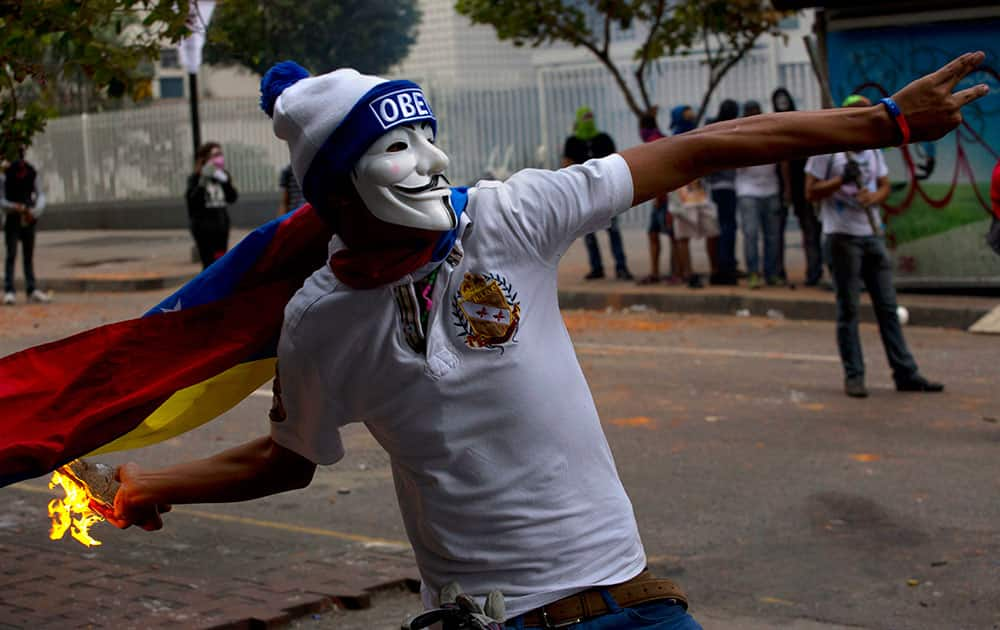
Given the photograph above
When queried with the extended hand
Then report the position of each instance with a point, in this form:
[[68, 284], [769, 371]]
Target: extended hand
[[930, 107], [130, 506]]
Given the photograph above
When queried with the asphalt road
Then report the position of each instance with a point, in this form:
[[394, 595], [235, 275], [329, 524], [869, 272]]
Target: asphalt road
[[771, 497]]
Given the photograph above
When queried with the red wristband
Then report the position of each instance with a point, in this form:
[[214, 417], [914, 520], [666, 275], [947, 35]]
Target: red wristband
[[897, 115]]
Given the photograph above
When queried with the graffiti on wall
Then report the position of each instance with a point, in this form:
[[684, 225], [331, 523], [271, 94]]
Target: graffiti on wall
[[937, 186]]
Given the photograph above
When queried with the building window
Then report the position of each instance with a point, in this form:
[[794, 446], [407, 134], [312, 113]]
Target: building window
[[169, 58], [171, 87]]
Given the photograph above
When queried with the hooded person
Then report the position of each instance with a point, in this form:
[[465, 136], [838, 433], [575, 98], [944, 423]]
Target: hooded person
[[435, 321], [682, 119], [587, 143], [793, 187]]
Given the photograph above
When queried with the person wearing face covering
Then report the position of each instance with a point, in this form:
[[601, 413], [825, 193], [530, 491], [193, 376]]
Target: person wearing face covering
[[587, 143], [793, 187], [435, 321], [209, 193]]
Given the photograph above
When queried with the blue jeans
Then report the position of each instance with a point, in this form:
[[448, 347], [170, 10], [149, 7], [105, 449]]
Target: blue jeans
[[757, 215], [654, 615], [854, 259], [725, 204], [617, 250]]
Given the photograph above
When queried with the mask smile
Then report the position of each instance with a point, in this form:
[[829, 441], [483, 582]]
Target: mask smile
[[431, 185]]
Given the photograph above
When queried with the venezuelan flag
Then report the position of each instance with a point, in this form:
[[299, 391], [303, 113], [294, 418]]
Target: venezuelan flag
[[186, 361]]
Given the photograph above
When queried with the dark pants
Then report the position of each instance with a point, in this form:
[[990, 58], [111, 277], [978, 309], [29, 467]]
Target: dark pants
[[854, 259], [211, 235], [13, 232], [725, 204], [811, 240], [617, 250]]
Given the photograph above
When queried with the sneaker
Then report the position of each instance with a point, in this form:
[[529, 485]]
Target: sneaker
[[594, 275], [918, 384], [39, 296], [754, 281], [694, 282], [723, 279], [624, 274], [9, 299], [855, 387]]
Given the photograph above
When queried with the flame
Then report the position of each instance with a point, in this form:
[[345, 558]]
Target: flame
[[74, 511]]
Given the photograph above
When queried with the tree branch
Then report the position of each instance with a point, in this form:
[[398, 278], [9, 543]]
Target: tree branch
[[640, 73]]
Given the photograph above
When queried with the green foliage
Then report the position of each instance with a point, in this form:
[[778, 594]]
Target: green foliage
[[369, 35], [722, 30], [45, 44]]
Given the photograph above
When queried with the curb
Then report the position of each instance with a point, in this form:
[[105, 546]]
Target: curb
[[719, 304], [112, 283]]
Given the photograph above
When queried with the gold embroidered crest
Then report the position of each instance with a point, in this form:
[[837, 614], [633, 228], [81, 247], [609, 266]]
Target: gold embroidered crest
[[486, 309]]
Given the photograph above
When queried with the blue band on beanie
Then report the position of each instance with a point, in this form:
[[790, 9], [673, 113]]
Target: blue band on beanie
[[385, 106]]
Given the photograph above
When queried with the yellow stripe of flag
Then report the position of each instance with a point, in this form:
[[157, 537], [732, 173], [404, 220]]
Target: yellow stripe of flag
[[191, 407]]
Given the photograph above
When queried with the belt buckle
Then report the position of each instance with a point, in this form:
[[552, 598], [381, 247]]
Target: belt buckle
[[549, 624]]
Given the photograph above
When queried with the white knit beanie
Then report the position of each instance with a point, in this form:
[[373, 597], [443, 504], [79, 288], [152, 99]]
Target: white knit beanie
[[330, 120]]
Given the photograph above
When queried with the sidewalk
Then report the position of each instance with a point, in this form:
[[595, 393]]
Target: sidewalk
[[114, 260]]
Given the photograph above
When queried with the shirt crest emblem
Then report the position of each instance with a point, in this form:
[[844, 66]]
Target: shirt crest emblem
[[486, 309]]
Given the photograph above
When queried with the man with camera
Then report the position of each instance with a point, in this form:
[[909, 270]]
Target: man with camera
[[849, 187]]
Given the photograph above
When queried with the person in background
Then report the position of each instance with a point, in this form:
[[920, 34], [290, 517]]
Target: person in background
[[722, 185], [209, 192], [793, 187], [23, 203], [682, 120], [758, 193], [694, 217], [587, 143], [660, 221], [291, 192], [849, 187]]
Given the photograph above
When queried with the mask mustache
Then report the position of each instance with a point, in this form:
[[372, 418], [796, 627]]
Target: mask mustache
[[433, 183]]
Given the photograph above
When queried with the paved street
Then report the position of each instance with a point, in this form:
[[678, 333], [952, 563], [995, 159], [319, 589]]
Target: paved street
[[774, 499]]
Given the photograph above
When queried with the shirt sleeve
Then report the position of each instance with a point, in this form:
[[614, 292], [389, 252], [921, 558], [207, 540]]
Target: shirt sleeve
[[881, 168], [303, 418], [819, 166], [546, 211]]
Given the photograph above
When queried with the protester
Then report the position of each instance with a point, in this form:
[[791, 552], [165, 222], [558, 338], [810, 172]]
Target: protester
[[209, 193], [758, 197], [689, 221], [722, 185], [849, 187], [23, 203], [586, 143], [291, 193], [503, 473], [694, 216], [660, 220], [793, 188]]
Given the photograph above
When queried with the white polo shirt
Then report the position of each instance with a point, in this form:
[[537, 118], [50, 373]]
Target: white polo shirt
[[503, 474]]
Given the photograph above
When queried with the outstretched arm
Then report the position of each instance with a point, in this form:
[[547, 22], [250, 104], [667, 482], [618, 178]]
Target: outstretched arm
[[249, 471], [928, 104]]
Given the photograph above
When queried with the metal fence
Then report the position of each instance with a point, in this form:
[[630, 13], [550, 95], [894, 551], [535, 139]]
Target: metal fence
[[146, 153]]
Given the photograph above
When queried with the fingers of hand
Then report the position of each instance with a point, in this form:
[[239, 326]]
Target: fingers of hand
[[959, 68], [966, 96]]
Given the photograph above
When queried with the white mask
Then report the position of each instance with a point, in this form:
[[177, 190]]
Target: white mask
[[400, 179]]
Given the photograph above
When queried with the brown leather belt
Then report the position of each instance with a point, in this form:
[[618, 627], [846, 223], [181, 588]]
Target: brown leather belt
[[587, 604]]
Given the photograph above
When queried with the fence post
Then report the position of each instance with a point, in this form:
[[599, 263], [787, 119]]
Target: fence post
[[88, 185], [543, 119]]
